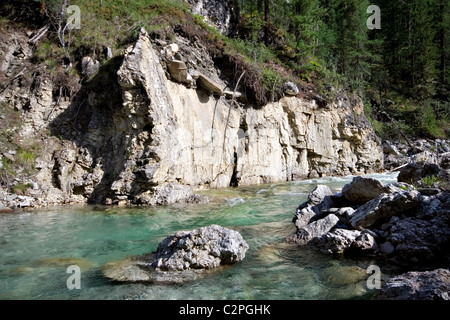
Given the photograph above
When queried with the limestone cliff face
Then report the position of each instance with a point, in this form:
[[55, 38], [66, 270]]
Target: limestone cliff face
[[192, 138], [133, 134]]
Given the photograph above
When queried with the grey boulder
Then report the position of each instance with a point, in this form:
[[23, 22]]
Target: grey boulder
[[362, 189], [384, 207], [342, 240], [428, 285], [318, 201], [314, 229], [204, 248], [183, 256]]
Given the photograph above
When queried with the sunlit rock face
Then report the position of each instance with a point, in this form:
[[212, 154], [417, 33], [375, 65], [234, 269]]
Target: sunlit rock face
[[193, 137], [137, 134]]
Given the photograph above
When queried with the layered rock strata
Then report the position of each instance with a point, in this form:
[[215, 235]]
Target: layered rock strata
[[134, 134]]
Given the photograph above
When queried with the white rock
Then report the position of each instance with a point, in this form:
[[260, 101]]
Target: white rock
[[171, 50], [290, 89]]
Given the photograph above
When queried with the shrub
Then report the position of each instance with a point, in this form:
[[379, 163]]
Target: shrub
[[431, 181], [427, 122], [272, 82], [21, 188], [7, 172]]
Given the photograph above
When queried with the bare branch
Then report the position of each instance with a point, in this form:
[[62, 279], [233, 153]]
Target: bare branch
[[226, 125], [41, 32]]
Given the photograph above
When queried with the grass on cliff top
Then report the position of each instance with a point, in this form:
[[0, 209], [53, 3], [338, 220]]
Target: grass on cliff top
[[116, 24]]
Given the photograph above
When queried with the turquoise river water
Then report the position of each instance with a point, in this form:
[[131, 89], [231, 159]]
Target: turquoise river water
[[37, 247]]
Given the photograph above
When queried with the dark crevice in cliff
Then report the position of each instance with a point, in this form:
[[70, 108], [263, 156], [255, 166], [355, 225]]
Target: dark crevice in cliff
[[234, 181]]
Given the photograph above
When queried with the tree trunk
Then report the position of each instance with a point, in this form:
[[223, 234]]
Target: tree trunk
[[259, 5]]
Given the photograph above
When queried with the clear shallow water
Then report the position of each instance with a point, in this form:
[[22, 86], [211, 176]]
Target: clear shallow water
[[37, 247]]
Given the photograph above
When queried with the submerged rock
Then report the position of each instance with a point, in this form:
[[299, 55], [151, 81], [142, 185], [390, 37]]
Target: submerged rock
[[181, 257], [339, 275], [4, 209]]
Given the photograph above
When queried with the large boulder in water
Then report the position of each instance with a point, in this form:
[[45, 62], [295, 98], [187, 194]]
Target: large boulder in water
[[204, 248], [183, 256], [309, 211], [314, 229]]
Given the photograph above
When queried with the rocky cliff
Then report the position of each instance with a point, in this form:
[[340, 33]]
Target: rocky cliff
[[224, 15], [151, 126]]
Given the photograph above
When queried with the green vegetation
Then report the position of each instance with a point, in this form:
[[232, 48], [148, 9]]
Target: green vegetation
[[23, 161], [112, 23], [23, 164], [405, 188], [401, 70], [26, 157], [431, 181], [411, 82], [21, 188]]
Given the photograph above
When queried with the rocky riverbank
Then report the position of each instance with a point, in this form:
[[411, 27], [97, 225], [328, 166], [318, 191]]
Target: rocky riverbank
[[406, 224], [398, 153]]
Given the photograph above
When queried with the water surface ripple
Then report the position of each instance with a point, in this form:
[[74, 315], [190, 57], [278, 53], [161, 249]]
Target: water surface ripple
[[37, 247]]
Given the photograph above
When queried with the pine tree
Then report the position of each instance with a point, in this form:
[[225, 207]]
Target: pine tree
[[304, 24], [444, 41], [413, 43], [344, 39], [423, 51]]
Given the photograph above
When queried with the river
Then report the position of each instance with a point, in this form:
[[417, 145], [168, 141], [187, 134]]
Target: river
[[37, 247]]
